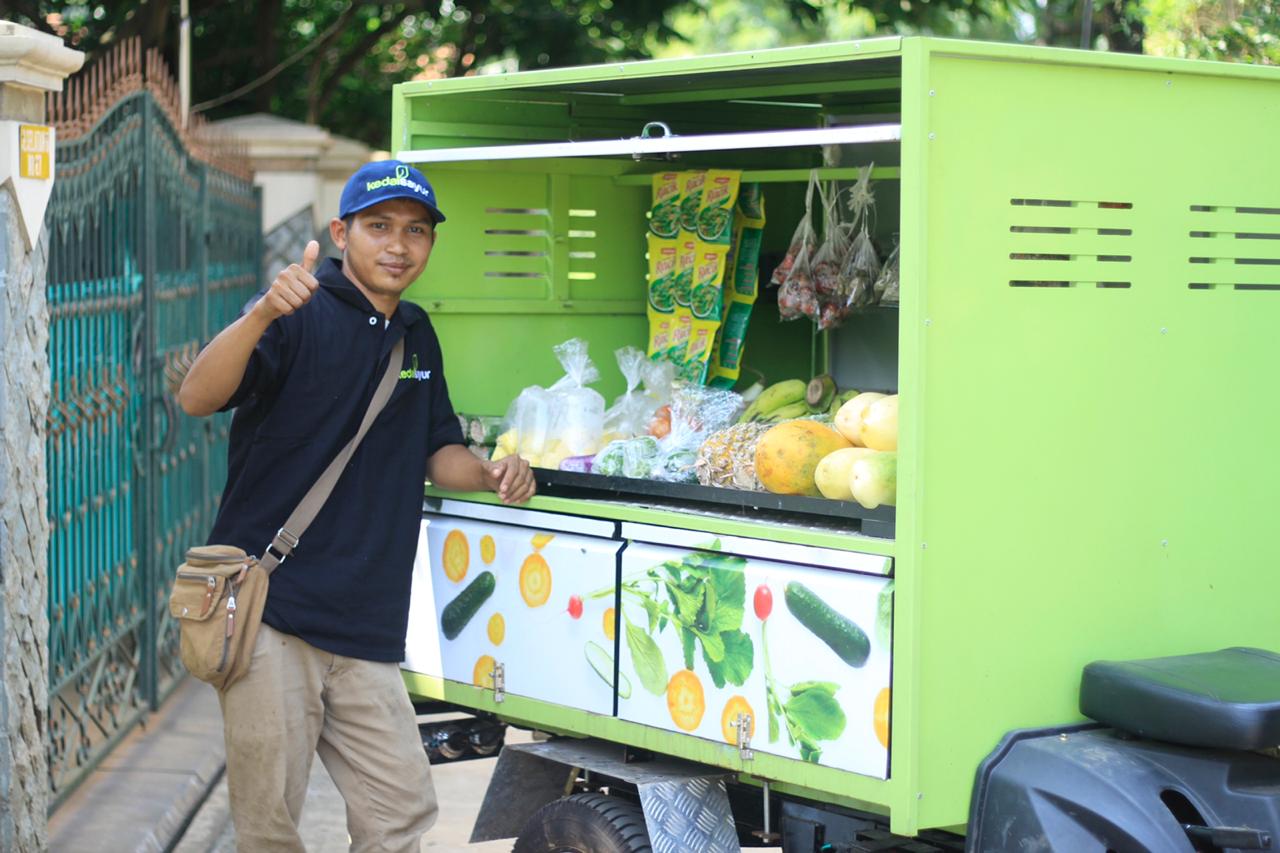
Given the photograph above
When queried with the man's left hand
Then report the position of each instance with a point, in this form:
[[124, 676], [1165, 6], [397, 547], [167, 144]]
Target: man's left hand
[[511, 478]]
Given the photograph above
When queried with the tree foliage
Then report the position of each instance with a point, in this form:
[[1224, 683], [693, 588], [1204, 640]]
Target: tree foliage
[[333, 62]]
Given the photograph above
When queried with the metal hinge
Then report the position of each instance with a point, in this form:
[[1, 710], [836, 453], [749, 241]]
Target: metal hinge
[[499, 683], [743, 724]]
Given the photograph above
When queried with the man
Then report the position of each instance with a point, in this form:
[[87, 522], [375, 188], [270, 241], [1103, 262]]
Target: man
[[300, 366]]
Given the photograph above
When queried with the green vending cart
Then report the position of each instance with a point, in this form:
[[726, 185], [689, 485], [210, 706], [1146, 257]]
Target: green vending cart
[[1062, 637]]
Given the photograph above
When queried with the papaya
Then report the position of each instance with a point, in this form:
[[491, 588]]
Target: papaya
[[788, 454]]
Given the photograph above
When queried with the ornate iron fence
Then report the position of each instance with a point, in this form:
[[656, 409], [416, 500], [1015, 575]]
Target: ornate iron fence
[[154, 244]]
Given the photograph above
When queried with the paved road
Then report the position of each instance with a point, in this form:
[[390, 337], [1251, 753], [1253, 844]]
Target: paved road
[[460, 788]]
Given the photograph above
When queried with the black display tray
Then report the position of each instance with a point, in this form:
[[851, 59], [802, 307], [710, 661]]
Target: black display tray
[[879, 522]]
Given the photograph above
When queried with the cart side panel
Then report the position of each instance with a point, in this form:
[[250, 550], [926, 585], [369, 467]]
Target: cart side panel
[[521, 583], [815, 690], [1099, 467]]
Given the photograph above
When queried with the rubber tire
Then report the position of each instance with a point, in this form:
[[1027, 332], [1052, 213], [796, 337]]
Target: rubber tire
[[585, 823]]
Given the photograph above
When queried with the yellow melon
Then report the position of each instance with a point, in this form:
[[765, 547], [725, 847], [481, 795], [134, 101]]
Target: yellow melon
[[788, 453]]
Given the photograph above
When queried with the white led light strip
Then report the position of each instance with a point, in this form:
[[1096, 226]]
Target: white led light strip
[[661, 144]]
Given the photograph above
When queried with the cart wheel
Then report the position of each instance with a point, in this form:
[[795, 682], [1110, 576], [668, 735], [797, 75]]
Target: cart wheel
[[585, 823]]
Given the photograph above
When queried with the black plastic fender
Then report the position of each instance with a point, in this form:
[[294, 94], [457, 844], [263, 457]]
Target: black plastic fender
[[1087, 789]]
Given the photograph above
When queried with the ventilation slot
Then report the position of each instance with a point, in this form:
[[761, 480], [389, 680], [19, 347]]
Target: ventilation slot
[[582, 245], [517, 244], [1062, 243], [1233, 247]]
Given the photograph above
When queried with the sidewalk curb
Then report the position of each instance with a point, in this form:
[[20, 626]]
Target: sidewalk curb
[[172, 826]]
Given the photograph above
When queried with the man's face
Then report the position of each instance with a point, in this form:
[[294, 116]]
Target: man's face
[[386, 246]]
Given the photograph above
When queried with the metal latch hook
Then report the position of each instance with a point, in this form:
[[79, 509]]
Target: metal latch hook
[[651, 131]]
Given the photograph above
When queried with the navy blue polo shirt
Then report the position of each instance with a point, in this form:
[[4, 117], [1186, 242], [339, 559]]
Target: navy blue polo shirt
[[345, 589]]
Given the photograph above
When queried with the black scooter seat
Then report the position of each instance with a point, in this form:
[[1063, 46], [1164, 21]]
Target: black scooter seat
[[1229, 699]]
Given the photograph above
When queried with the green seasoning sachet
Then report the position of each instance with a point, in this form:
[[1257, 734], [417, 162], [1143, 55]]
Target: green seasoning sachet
[[713, 224], [742, 284], [691, 184]]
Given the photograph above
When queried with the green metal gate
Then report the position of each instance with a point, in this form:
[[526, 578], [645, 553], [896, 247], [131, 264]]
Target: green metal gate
[[154, 245]]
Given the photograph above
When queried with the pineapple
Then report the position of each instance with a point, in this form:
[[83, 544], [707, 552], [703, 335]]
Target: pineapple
[[728, 457]]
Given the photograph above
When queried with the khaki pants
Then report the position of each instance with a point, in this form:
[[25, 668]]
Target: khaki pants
[[298, 701]]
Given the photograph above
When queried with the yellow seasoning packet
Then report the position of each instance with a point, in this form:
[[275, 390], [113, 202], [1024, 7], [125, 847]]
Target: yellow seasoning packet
[[664, 216], [706, 305], [661, 302], [714, 220]]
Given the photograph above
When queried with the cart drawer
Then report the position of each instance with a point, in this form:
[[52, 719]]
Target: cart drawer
[[547, 650], [827, 558], [813, 674]]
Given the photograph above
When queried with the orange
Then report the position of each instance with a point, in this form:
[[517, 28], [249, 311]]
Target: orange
[[610, 624], [685, 700], [482, 675], [497, 629], [488, 549], [535, 580], [728, 720], [882, 717], [456, 556]]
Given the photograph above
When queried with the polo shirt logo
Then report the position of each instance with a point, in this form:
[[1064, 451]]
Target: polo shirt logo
[[414, 373]]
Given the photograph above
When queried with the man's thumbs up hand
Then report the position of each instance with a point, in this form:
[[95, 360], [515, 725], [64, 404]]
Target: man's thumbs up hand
[[293, 287]]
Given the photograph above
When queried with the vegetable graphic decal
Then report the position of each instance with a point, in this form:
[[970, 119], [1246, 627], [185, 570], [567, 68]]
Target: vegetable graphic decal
[[488, 549], [540, 540], [704, 596], [482, 675], [602, 664], [881, 717], [535, 580], [729, 719], [610, 624], [497, 629], [575, 607], [685, 700], [809, 710], [840, 633], [763, 602], [458, 613], [457, 555]]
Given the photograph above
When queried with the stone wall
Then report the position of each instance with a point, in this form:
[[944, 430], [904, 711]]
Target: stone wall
[[24, 536]]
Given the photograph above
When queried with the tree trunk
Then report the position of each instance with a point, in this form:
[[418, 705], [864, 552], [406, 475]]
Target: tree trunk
[[268, 24]]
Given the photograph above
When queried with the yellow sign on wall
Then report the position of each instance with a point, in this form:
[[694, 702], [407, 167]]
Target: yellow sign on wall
[[33, 151]]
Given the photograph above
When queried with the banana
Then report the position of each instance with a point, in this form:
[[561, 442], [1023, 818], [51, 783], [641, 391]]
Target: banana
[[840, 399], [786, 413], [780, 394]]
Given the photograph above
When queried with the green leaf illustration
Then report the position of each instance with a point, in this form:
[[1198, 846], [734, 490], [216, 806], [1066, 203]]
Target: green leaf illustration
[[687, 645], [817, 713], [647, 659], [828, 687]]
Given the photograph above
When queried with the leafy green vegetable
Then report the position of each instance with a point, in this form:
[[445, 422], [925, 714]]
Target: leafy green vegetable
[[647, 658]]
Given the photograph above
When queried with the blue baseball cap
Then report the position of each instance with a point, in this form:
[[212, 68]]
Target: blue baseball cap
[[383, 180]]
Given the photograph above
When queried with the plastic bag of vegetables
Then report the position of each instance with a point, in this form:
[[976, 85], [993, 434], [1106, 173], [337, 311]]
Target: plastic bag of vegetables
[[797, 291], [696, 412], [630, 413], [579, 422]]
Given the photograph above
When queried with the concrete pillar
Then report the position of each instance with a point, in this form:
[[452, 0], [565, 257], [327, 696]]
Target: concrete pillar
[[31, 64]]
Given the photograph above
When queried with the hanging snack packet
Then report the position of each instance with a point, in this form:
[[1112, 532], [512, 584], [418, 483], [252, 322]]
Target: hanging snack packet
[[796, 294]]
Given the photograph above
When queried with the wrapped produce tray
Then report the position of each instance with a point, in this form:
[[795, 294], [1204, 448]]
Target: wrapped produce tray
[[877, 522]]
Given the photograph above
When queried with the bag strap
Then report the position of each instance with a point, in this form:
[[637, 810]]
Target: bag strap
[[286, 538]]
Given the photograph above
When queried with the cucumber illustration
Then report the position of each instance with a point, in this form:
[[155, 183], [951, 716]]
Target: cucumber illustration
[[839, 632], [458, 613], [602, 662]]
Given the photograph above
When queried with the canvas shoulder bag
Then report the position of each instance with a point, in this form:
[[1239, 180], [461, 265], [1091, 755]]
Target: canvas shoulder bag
[[219, 591]]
